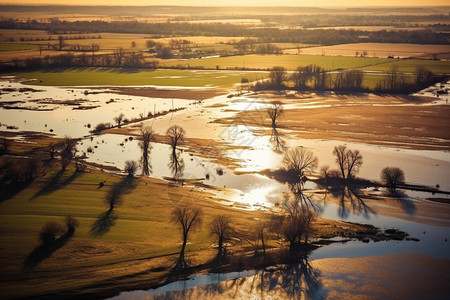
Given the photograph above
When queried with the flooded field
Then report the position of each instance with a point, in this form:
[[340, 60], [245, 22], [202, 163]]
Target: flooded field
[[253, 146]]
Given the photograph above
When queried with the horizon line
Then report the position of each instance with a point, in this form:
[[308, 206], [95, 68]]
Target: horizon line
[[207, 6]]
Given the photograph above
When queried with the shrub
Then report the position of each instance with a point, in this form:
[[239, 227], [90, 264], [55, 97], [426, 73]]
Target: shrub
[[71, 223], [101, 126], [50, 231]]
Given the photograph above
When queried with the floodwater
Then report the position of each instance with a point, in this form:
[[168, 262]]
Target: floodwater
[[72, 112], [50, 109]]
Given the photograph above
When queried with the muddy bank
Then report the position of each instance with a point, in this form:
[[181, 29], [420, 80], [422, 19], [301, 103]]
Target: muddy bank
[[188, 94]]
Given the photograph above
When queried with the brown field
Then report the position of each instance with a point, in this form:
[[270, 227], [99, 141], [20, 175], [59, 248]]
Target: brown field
[[375, 50], [179, 94], [205, 39], [370, 28], [373, 120], [45, 17]]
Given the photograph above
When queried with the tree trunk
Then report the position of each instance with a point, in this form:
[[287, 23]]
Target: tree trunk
[[220, 250], [181, 262]]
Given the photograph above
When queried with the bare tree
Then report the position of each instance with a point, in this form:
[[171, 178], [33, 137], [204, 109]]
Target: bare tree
[[118, 119], [277, 76], [144, 144], [349, 161], [423, 76], [324, 170], [261, 234], [297, 223], [393, 80], [188, 218], [349, 80], [176, 135], [22, 170], [67, 152], [119, 56], [53, 150], [131, 167], [300, 160], [300, 77], [354, 162], [80, 164], [274, 112], [114, 196], [392, 177], [221, 230], [60, 42]]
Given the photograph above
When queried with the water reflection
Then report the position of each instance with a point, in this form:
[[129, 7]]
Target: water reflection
[[303, 200], [290, 281], [176, 165], [277, 142], [350, 201]]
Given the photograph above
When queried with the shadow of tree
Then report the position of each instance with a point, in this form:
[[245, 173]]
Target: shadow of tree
[[107, 219], [406, 203], [44, 251], [8, 191], [103, 223], [55, 183]]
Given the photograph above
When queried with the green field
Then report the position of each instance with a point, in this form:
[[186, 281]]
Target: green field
[[410, 65], [124, 77], [17, 47], [291, 62]]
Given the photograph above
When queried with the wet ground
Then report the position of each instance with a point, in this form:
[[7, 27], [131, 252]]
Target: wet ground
[[256, 147]]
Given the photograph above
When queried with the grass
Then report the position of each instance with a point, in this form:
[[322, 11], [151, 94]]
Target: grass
[[124, 77], [290, 62], [410, 65], [141, 229], [17, 47]]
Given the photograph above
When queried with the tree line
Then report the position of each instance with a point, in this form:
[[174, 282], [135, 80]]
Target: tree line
[[268, 34], [119, 58], [314, 77]]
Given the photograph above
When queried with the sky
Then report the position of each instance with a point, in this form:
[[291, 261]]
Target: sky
[[313, 3]]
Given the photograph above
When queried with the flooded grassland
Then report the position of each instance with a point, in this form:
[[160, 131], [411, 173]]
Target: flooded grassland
[[229, 149]]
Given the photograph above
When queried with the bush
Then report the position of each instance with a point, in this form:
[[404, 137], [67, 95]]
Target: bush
[[71, 223], [50, 231], [101, 126]]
